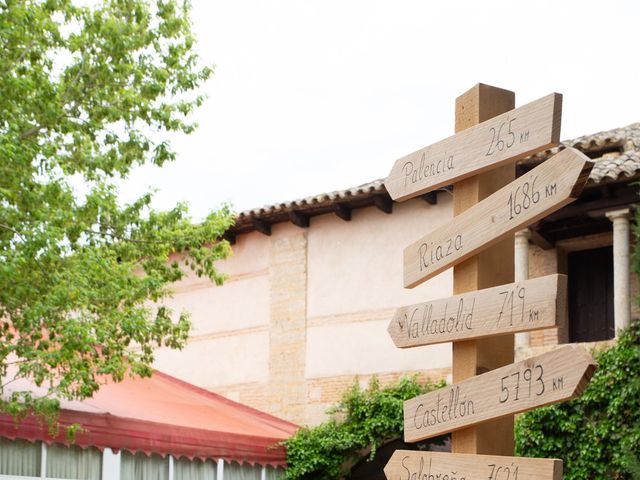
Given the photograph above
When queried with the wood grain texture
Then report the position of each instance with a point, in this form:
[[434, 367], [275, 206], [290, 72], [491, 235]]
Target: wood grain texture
[[517, 307], [416, 465], [489, 268], [503, 139], [546, 188], [550, 378]]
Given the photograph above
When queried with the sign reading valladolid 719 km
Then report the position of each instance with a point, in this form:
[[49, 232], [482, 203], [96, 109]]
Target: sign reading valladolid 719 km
[[517, 307], [505, 138]]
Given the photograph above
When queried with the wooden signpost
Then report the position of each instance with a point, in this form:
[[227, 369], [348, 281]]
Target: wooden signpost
[[487, 269], [543, 190], [552, 377], [518, 307], [415, 465], [489, 205], [502, 139]]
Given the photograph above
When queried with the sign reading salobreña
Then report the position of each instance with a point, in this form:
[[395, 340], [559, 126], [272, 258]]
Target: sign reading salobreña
[[546, 188], [549, 378], [416, 465], [517, 307], [505, 138]]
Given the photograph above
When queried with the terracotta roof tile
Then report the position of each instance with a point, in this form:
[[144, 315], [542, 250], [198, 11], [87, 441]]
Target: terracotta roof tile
[[616, 152]]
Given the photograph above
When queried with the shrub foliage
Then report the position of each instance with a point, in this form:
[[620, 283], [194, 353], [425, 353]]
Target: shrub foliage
[[598, 434], [359, 424]]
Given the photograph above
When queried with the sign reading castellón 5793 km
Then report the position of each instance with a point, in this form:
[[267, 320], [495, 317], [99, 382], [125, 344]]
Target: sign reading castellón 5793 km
[[549, 378], [416, 465], [505, 138], [518, 307], [546, 188]]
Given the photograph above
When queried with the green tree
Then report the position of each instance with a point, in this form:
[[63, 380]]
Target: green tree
[[87, 93]]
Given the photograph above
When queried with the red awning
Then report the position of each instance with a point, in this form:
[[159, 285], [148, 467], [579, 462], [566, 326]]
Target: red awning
[[165, 415]]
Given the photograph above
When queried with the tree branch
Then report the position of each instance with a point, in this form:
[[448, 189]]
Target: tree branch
[[30, 133]]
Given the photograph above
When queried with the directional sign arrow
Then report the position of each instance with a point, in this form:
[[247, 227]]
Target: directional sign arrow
[[553, 377], [415, 465], [517, 307], [502, 139], [546, 188]]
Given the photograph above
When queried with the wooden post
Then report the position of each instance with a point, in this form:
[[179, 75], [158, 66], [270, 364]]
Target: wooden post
[[492, 267]]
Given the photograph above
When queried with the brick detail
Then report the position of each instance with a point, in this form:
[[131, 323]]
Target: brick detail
[[288, 327]]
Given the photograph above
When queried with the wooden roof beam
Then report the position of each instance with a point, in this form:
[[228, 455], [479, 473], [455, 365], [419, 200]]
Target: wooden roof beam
[[538, 238], [299, 219], [262, 226], [342, 211], [229, 237], [383, 203], [431, 198]]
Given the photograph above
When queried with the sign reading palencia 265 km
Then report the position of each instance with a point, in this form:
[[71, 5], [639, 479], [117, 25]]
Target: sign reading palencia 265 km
[[506, 138]]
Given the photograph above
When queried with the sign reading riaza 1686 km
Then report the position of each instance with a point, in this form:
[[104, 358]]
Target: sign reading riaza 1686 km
[[416, 465], [518, 307], [543, 190], [553, 377], [505, 138]]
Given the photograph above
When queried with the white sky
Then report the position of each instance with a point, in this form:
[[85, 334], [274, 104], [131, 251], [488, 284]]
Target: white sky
[[313, 96]]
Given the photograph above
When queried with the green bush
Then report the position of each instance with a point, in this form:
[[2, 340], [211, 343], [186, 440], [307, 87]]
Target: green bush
[[598, 434], [360, 423]]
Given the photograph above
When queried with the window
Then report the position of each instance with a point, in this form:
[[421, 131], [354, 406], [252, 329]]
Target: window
[[19, 457], [591, 295], [185, 469], [73, 462], [273, 473], [143, 467], [235, 471]]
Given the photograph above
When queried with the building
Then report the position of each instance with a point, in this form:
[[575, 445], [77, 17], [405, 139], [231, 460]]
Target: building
[[313, 284], [143, 428]]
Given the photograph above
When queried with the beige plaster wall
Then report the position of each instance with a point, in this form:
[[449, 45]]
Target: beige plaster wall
[[364, 348], [304, 312], [245, 303], [357, 266], [354, 285], [236, 358], [229, 343]]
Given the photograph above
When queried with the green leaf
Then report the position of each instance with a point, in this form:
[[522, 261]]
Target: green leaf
[[92, 91], [360, 423]]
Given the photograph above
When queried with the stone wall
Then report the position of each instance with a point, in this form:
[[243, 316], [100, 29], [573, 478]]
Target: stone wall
[[287, 387]]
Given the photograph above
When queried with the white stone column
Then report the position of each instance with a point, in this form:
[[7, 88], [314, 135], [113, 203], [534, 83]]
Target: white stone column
[[621, 277], [521, 254]]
